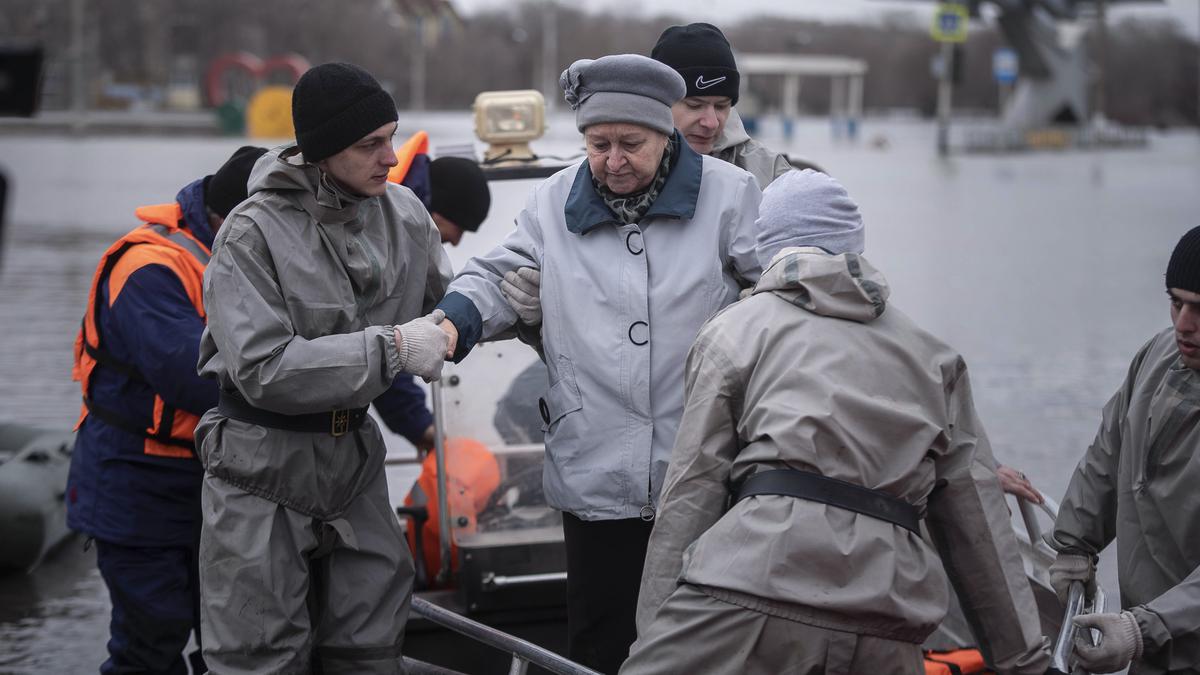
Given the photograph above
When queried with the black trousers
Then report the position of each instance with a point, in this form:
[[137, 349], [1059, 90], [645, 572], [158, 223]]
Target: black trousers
[[604, 572]]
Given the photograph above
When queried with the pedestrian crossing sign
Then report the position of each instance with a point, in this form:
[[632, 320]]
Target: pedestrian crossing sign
[[950, 23]]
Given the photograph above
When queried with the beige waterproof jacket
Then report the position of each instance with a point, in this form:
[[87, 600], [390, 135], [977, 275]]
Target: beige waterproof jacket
[[302, 292], [1139, 483], [736, 147], [811, 373]]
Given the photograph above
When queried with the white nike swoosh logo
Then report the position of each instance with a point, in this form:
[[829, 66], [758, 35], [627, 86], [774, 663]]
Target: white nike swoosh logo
[[701, 84]]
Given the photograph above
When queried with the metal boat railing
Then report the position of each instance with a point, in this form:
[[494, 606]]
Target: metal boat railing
[[523, 653]]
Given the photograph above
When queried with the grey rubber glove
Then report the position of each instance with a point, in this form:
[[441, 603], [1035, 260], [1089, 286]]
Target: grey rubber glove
[[1068, 567], [1120, 642], [522, 289], [422, 346]]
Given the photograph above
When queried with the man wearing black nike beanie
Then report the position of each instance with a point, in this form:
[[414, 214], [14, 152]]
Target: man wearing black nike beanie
[[705, 116], [1136, 487], [320, 294]]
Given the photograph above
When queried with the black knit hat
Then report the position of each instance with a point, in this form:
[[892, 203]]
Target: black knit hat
[[1183, 271], [701, 54], [336, 104], [460, 191], [226, 188]]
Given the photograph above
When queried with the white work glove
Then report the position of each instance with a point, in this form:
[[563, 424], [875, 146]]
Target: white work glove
[[1120, 642], [1068, 567], [422, 346], [522, 289]]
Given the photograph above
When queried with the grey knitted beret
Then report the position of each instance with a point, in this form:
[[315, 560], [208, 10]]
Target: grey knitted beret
[[622, 88], [807, 208]]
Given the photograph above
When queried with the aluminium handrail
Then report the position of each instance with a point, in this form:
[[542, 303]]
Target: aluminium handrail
[[439, 449], [523, 653]]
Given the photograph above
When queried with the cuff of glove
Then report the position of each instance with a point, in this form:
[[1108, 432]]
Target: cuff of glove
[[1136, 630], [407, 348], [390, 351], [1152, 632]]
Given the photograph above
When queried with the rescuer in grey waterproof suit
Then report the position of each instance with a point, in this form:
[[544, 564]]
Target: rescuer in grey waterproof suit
[[815, 372], [313, 295], [1139, 483]]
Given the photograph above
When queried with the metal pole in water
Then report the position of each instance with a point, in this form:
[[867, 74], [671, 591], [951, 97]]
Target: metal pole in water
[[945, 88], [78, 65], [416, 95], [549, 79], [1101, 59]]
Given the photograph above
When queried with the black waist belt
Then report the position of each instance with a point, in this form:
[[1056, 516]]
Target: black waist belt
[[817, 488], [334, 422]]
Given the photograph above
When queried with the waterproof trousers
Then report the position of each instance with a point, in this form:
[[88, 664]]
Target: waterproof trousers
[[604, 572], [287, 593], [155, 606], [694, 632]]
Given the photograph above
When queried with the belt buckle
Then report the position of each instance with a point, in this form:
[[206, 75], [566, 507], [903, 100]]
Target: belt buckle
[[339, 422]]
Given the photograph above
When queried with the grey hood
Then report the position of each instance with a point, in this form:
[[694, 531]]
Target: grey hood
[[283, 169], [842, 286]]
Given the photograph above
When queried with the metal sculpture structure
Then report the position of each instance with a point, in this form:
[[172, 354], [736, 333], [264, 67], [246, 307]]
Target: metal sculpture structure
[[1054, 73]]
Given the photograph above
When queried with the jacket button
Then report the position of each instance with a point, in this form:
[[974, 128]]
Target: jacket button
[[629, 243], [640, 333]]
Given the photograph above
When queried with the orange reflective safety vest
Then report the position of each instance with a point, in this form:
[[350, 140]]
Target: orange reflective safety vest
[[417, 144], [472, 475], [159, 241], [958, 662]]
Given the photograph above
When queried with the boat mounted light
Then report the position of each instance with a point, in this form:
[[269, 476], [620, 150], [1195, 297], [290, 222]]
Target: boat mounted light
[[507, 121]]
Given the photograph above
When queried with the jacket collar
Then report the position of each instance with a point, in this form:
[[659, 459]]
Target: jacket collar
[[195, 216], [732, 135], [585, 210]]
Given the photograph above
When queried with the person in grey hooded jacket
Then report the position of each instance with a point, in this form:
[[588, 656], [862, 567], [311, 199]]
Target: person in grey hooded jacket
[[1137, 484], [315, 296], [706, 117], [820, 425], [635, 248]]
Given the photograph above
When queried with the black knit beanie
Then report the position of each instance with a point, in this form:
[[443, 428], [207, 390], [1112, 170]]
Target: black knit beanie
[[1183, 271], [226, 188], [336, 104], [460, 191], [701, 54]]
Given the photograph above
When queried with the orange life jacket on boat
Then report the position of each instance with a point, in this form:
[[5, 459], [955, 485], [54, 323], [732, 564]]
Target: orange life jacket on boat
[[472, 475], [159, 241], [958, 662]]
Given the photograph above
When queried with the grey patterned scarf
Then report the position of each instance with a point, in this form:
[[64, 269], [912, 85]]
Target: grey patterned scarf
[[630, 208]]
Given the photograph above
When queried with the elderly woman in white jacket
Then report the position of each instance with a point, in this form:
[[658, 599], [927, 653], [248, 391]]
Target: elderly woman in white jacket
[[620, 258]]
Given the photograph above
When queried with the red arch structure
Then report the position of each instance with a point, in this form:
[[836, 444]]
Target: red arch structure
[[253, 66]]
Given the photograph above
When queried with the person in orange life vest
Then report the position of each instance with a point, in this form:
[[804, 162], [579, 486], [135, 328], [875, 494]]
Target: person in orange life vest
[[134, 483], [455, 192]]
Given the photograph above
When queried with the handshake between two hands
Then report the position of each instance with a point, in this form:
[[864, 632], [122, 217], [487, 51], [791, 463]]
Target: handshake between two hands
[[425, 343]]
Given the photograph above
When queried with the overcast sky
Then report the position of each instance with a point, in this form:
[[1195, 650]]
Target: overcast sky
[[1187, 12]]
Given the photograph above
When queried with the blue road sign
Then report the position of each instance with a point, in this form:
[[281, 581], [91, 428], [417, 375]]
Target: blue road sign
[[1005, 65]]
